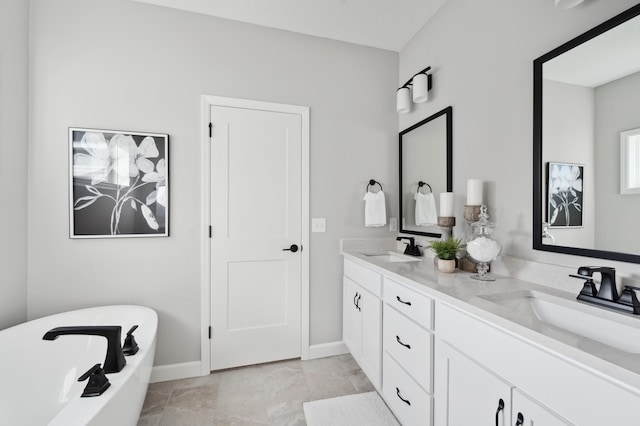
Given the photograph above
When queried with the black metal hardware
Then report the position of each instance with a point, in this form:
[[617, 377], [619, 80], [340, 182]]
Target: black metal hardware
[[210, 129], [130, 346], [358, 303], [410, 81], [500, 408], [520, 420], [114, 361], [354, 300], [607, 294], [210, 231], [292, 249], [421, 184], [403, 344], [373, 182], [402, 301], [98, 382], [209, 332], [406, 401], [412, 249]]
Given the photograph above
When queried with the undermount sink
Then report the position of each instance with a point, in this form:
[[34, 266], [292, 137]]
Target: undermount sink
[[392, 256], [555, 316]]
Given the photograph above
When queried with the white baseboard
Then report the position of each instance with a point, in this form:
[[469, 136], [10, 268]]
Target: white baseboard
[[185, 370], [327, 349]]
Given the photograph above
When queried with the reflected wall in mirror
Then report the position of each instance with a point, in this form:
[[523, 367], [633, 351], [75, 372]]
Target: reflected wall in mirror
[[425, 156], [586, 111]]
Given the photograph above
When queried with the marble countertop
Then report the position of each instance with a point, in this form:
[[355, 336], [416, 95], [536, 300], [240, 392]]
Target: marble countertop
[[478, 299]]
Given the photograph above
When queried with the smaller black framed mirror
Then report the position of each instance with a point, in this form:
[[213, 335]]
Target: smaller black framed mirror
[[426, 170]]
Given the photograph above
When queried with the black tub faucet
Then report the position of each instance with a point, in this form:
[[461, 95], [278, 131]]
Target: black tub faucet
[[114, 361], [412, 249]]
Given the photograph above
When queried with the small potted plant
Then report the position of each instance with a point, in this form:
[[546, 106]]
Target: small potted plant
[[446, 251]]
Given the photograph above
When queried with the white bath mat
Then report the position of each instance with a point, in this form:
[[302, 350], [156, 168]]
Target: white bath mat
[[363, 409]]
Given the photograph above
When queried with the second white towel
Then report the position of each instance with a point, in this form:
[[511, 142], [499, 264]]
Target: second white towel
[[375, 212], [425, 209]]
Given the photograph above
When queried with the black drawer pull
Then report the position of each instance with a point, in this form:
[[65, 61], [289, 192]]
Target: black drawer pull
[[355, 303], [500, 408], [520, 420], [403, 344], [402, 301], [406, 401]]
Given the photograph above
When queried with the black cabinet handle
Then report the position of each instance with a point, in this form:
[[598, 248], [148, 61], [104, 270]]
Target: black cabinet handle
[[403, 344], [293, 248], [358, 303], [354, 300], [406, 401], [402, 301], [520, 420], [500, 408]]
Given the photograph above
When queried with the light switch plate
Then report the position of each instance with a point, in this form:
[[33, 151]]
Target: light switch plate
[[393, 224], [318, 224]]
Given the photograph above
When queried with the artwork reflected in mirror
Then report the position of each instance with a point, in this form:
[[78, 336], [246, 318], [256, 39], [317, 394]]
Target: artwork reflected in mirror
[[586, 112], [425, 172]]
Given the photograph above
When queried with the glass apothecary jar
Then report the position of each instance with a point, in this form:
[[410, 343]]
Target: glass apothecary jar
[[482, 246]]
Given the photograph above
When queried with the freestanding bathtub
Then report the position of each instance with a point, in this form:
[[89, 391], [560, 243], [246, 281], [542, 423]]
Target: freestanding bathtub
[[39, 379]]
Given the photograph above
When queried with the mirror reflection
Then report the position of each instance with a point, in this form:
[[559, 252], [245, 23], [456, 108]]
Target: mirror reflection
[[587, 143], [425, 172]]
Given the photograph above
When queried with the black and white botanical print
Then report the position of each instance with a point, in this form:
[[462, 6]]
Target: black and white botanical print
[[565, 194], [119, 184]]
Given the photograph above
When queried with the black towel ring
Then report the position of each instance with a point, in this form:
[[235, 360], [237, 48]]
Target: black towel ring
[[421, 184], [372, 183]]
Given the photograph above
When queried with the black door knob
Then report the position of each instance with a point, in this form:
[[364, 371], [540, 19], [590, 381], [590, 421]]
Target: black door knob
[[293, 248]]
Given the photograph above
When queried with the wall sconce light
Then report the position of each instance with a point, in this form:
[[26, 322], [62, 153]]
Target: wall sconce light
[[567, 4], [420, 84]]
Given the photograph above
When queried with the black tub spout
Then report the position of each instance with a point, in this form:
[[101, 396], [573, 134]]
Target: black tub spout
[[114, 362]]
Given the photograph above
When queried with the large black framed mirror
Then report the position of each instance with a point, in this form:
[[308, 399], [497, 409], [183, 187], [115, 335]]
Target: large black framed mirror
[[586, 143], [426, 162]]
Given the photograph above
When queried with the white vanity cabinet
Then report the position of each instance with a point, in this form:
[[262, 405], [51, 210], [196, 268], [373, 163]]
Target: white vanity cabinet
[[362, 318], [408, 353]]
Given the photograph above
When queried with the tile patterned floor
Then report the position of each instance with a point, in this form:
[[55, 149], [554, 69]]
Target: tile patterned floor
[[268, 394]]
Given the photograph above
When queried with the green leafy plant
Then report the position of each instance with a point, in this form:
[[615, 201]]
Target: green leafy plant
[[447, 249]]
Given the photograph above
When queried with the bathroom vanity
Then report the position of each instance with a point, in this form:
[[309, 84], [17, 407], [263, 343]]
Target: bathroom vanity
[[443, 349]]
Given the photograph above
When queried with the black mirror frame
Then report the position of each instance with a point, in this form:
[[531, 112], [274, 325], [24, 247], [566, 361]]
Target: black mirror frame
[[448, 113], [538, 174]]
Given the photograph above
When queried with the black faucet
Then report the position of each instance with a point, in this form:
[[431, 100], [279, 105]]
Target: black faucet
[[412, 249], [607, 294], [114, 362]]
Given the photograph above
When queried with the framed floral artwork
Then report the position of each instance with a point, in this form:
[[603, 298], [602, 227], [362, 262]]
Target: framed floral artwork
[[118, 184], [564, 195]]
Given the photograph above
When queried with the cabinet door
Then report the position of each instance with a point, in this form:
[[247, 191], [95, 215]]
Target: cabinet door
[[351, 317], [371, 355], [527, 412], [468, 394]]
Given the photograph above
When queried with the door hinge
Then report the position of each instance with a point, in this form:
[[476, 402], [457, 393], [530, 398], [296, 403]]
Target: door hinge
[[210, 231], [209, 332], [210, 129]]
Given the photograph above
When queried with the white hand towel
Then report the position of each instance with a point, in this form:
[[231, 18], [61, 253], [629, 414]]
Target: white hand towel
[[375, 213], [425, 209]]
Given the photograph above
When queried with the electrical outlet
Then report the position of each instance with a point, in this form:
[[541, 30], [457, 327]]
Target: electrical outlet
[[318, 224], [393, 224]]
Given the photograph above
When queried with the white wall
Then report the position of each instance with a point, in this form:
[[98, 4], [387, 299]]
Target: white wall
[[117, 64], [14, 71], [617, 110], [568, 134], [482, 54]]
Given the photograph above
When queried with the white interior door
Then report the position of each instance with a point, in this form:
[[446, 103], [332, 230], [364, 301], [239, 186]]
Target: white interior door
[[256, 215]]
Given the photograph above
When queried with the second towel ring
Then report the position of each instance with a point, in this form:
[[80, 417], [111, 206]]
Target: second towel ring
[[421, 184], [372, 183]]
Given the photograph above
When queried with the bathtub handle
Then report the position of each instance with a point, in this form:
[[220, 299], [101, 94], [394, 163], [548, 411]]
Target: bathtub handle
[[98, 382], [130, 346]]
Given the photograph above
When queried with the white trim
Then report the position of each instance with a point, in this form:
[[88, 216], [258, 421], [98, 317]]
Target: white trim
[[185, 370], [324, 350], [205, 273]]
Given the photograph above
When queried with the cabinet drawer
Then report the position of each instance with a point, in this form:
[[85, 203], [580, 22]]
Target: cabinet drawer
[[368, 279], [411, 303], [408, 401], [410, 345]]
